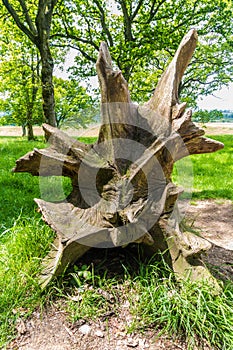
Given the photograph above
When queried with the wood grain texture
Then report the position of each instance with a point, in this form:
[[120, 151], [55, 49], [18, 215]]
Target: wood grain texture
[[122, 184]]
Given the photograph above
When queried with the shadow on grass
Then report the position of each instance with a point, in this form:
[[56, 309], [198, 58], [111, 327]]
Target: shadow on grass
[[213, 194]]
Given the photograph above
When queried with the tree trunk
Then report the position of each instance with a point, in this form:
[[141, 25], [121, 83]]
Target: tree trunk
[[23, 130], [43, 24], [47, 84], [30, 132], [122, 184], [39, 34]]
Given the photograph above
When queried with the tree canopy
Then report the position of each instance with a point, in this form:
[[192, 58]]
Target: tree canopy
[[143, 35], [20, 86], [204, 116], [74, 107]]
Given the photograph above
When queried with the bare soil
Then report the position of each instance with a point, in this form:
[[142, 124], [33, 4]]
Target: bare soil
[[51, 329]]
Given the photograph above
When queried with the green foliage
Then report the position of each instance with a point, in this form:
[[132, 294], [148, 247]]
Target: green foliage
[[34, 20], [143, 37], [204, 116], [181, 308], [73, 106], [20, 87]]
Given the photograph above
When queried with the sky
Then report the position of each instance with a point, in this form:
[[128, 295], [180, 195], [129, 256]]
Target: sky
[[222, 99]]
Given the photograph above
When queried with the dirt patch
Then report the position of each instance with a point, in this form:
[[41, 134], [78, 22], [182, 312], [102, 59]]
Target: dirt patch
[[213, 220], [218, 128], [17, 131], [52, 330]]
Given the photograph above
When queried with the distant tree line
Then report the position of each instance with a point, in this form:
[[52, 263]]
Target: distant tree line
[[205, 116], [227, 115]]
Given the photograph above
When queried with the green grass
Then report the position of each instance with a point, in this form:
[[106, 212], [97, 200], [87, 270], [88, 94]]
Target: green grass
[[87, 139], [20, 260], [182, 309], [24, 237], [17, 191], [213, 172], [155, 297]]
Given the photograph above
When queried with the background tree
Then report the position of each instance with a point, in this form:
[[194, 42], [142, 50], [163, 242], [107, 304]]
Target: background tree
[[20, 83], [204, 116], [74, 107], [143, 35], [34, 19]]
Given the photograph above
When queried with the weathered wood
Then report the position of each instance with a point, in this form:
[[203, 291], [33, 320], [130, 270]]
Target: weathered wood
[[122, 186]]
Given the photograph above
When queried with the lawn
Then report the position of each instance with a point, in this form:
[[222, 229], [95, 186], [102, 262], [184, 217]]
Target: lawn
[[25, 239], [208, 175], [213, 172]]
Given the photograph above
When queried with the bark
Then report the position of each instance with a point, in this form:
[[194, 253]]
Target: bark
[[122, 187], [47, 85], [39, 34], [43, 25], [30, 132], [23, 130]]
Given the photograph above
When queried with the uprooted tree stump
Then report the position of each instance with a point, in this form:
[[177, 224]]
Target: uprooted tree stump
[[122, 191]]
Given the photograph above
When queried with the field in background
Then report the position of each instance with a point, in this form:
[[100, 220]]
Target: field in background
[[93, 129]]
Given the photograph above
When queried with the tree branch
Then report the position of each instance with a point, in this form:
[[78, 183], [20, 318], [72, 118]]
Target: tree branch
[[18, 21], [153, 10], [103, 23], [134, 14], [88, 57], [27, 17], [74, 37], [127, 22]]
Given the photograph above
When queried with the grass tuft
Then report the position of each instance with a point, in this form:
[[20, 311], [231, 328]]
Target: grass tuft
[[20, 259], [185, 309]]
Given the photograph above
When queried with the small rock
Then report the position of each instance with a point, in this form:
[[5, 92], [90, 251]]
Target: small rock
[[132, 343], [99, 334], [21, 327], [120, 344], [143, 344], [85, 329]]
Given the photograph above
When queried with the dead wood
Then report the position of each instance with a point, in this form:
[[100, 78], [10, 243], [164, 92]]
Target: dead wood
[[122, 184]]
